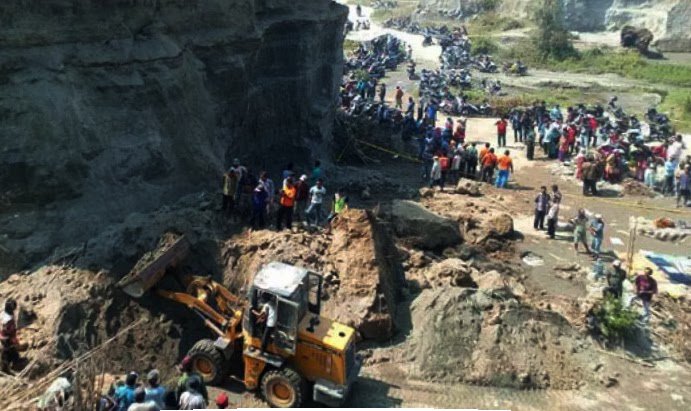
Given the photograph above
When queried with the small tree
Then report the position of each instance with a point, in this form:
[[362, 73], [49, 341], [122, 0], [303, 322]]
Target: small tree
[[551, 39], [615, 321]]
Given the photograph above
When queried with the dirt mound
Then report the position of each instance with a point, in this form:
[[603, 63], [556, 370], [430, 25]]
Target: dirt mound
[[359, 261], [633, 187], [65, 312], [465, 335]]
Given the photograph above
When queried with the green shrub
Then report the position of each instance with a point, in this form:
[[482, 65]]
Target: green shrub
[[615, 321], [551, 39], [484, 45], [490, 5]]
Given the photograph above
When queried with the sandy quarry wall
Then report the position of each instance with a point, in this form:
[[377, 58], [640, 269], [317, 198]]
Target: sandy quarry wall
[[112, 107], [667, 19]]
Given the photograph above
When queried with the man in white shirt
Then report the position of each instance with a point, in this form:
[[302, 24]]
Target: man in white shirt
[[266, 315], [675, 150], [317, 195]]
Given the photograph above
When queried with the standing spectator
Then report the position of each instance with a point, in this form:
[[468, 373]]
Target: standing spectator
[[192, 398], [270, 188], [541, 207], [382, 93], [683, 185], [650, 174], [675, 150], [597, 231], [505, 167], [230, 191], [670, 168], [646, 287], [435, 174], [399, 98], [489, 162], [471, 161], [317, 194], [287, 202], [259, 198], [189, 379], [615, 279], [579, 231], [556, 194], [155, 392], [516, 126], [317, 171], [124, 394], [410, 111], [501, 132], [445, 164], [553, 218], [301, 197]]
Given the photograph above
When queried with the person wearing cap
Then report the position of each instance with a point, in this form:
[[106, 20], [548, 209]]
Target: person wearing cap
[[124, 394], [646, 287], [597, 231], [155, 392], [615, 277], [222, 401], [187, 378]]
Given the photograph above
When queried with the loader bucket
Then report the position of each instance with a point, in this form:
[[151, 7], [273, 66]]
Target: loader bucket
[[152, 266]]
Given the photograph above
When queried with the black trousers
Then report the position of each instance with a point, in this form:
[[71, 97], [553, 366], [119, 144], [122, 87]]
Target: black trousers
[[589, 185], [530, 150], [284, 214], [539, 221], [551, 227], [266, 336], [487, 174], [258, 216], [501, 139]]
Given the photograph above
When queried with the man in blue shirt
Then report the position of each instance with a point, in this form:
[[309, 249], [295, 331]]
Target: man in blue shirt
[[597, 230], [124, 394]]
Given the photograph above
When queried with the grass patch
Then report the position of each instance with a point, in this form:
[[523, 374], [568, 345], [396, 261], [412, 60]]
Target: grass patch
[[484, 45], [677, 102], [615, 321], [350, 46]]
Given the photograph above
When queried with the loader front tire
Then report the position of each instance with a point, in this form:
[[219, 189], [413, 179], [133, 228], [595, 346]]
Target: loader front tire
[[208, 362], [283, 388]]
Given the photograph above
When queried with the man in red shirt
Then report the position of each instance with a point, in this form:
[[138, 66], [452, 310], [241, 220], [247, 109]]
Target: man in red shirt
[[646, 287], [501, 132]]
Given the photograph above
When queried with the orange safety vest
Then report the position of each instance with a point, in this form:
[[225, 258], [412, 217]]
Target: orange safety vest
[[288, 196]]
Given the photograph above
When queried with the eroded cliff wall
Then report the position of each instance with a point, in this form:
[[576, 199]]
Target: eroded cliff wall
[[109, 107]]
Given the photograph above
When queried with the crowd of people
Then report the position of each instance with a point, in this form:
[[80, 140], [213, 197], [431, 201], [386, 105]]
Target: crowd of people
[[259, 200]]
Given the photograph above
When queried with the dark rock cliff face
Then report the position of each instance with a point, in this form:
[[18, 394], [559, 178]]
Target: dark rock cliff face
[[109, 107]]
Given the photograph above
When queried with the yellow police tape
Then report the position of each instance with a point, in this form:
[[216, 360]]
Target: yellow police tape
[[386, 150], [646, 207]]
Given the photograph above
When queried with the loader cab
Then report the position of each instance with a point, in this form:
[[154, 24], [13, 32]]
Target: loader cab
[[295, 291]]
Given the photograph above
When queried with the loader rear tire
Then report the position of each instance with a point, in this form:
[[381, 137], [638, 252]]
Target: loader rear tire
[[208, 362], [283, 388]]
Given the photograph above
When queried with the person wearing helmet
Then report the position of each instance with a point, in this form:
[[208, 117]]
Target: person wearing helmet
[[8, 335]]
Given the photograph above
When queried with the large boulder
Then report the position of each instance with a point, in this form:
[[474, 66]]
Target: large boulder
[[500, 225], [468, 187], [451, 272], [421, 227], [497, 284]]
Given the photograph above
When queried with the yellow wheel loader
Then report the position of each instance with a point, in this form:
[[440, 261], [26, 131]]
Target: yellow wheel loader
[[308, 355]]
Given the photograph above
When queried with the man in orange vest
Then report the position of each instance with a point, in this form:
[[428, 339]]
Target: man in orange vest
[[287, 201], [489, 161], [505, 166]]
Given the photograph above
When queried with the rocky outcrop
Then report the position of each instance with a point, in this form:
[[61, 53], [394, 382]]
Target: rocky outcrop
[[668, 20], [107, 108], [420, 227]]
